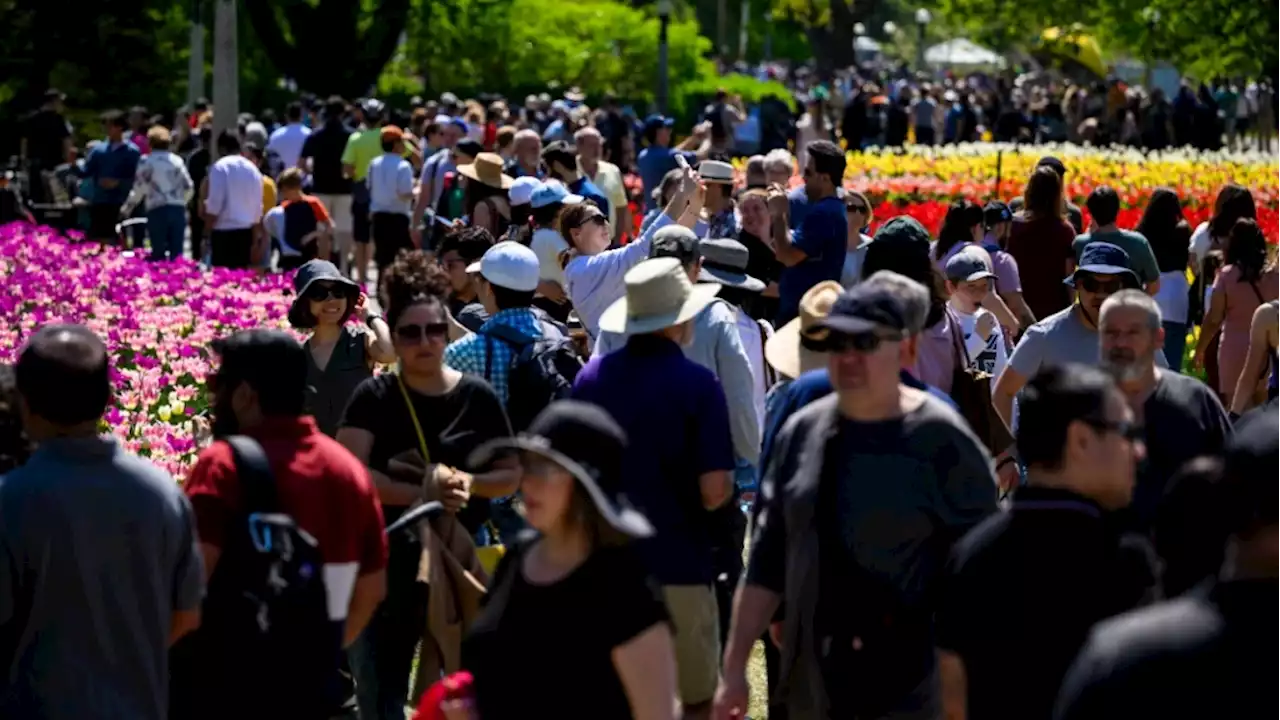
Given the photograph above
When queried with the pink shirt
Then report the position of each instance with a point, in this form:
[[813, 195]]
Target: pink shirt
[[936, 357]]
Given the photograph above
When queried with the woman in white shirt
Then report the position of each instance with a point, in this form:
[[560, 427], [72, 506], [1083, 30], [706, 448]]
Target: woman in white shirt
[[163, 181], [1165, 228]]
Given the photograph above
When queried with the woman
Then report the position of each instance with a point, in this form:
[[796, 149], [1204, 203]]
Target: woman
[[1264, 336], [1232, 203], [592, 272], [1163, 226], [858, 211], [1040, 241], [546, 203], [576, 586], [961, 227], [756, 235], [340, 356], [1245, 282], [485, 195], [414, 430]]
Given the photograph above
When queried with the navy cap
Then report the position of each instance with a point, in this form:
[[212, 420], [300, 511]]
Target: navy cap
[[468, 147], [903, 228], [995, 213], [862, 309], [966, 266], [1104, 259], [656, 120], [1050, 161]]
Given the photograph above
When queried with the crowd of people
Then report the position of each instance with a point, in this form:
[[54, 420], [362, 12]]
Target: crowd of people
[[979, 476]]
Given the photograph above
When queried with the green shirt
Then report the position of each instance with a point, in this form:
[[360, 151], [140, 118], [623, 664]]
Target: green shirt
[[1141, 260], [362, 147]]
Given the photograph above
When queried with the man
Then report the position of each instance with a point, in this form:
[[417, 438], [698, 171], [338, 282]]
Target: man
[[756, 175], [99, 567], [324, 148], [922, 113], [46, 142], [605, 175], [779, 166], [110, 167], [261, 392], [679, 455], [1024, 587], [363, 146], [234, 205], [1104, 206], [1199, 655], [1074, 216], [811, 248], [997, 223], [721, 211], [300, 225], [434, 170], [561, 160], [526, 151], [288, 141], [865, 489], [658, 157], [390, 182], [1071, 335], [613, 127], [459, 250], [1182, 416]]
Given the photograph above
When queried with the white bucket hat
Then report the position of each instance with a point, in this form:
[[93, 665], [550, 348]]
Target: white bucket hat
[[659, 295]]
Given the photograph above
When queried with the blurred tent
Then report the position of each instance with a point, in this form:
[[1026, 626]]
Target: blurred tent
[[1073, 49], [962, 52]]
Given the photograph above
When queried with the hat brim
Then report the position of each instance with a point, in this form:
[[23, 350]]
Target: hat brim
[[742, 281], [469, 171], [846, 324], [784, 353], [569, 199], [974, 276], [619, 516], [617, 319], [1070, 280], [716, 180]]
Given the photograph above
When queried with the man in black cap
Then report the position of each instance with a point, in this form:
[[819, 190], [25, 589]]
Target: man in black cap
[[46, 142], [1206, 653], [99, 571], [561, 160], [853, 563], [1074, 216]]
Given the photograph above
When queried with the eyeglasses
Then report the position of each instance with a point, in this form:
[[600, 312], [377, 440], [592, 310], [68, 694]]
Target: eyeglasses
[[1091, 283], [413, 334], [863, 342], [1133, 432], [856, 208], [319, 292]]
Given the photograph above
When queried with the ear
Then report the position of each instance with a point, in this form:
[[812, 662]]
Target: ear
[[907, 351], [1079, 441], [243, 396]]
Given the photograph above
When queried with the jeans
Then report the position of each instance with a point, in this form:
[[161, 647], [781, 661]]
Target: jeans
[[167, 226], [1175, 343], [382, 657]]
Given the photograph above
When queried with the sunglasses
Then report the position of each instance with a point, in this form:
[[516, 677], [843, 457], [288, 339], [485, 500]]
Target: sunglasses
[[856, 208], [416, 333], [319, 292], [863, 342], [1132, 432], [1091, 283]]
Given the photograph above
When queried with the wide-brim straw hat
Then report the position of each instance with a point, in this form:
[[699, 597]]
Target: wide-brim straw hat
[[487, 169], [659, 295], [783, 351]]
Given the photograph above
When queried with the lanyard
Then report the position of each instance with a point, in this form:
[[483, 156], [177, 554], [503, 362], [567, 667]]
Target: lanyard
[[417, 426]]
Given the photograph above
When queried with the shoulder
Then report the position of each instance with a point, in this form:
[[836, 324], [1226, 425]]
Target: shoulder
[[975, 543], [1165, 629], [804, 419], [941, 421], [1050, 324], [475, 387], [375, 387]]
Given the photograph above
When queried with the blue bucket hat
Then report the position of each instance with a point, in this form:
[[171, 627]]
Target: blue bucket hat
[[1103, 258]]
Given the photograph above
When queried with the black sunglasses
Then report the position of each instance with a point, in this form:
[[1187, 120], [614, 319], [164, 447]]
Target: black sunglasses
[[856, 208], [1132, 432], [1091, 283], [415, 333], [863, 342], [319, 292]]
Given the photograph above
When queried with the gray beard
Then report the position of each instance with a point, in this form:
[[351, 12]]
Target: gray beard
[[1124, 370]]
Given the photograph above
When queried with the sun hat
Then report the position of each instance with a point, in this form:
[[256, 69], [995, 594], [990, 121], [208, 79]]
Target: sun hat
[[1103, 258], [487, 170], [782, 351], [966, 266], [715, 171], [311, 272], [675, 241], [391, 133], [587, 442], [510, 265], [552, 191], [724, 260], [522, 189], [659, 295]]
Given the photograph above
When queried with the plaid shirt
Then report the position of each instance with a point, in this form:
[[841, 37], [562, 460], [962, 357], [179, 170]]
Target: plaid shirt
[[724, 224], [468, 355]]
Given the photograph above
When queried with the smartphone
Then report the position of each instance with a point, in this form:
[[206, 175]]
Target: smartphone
[[681, 162]]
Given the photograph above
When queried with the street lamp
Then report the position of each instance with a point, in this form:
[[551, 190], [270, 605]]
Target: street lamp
[[768, 34], [858, 31], [890, 28], [1152, 16], [923, 16], [664, 20]]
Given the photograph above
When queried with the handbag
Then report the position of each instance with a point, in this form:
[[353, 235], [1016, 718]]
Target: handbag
[[971, 391]]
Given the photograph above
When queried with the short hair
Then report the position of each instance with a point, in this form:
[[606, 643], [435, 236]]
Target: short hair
[[506, 298], [587, 131], [115, 119], [293, 111], [271, 362], [470, 243], [289, 179], [158, 137], [228, 143], [564, 154], [389, 145], [1103, 204], [779, 159], [913, 296], [1133, 299], [828, 159], [527, 134], [63, 375], [334, 107], [755, 167], [670, 183], [1053, 398], [506, 136]]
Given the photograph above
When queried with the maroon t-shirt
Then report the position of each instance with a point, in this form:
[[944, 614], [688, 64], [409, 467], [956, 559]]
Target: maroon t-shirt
[[1042, 248]]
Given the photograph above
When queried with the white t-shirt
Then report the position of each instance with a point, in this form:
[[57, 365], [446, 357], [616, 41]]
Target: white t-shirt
[[547, 244], [1201, 243], [287, 141], [990, 355], [1172, 297]]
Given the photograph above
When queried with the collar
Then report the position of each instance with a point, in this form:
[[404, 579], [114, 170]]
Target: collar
[[1031, 497], [283, 427], [521, 318], [651, 344]]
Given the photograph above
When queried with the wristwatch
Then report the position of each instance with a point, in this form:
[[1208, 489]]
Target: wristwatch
[[371, 317]]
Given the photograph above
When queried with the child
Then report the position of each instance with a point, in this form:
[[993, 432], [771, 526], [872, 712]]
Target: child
[[969, 280], [300, 225]]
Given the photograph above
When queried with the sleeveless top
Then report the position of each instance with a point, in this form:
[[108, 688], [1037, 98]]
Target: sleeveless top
[[329, 390]]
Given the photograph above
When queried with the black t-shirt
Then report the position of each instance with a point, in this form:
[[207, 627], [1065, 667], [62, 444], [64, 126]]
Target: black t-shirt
[[325, 147], [198, 168], [1022, 590], [762, 265], [45, 130], [454, 424], [553, 644]]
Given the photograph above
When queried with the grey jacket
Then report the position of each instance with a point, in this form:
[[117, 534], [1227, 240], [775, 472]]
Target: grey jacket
[[717, 346]]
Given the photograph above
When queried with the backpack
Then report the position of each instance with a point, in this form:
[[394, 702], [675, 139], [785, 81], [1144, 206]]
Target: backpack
[[266, 646], [542, 369]]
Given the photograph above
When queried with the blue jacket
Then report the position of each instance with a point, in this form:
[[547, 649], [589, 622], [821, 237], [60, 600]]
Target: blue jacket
[[116, 163]]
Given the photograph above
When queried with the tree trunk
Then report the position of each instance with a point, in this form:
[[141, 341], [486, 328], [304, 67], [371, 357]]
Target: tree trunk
[[226, 68]]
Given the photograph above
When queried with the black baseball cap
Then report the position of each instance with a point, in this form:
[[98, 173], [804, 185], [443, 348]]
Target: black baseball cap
[[995, 213], [468, 147], [863, 309], [675, 241], [1050, 161]]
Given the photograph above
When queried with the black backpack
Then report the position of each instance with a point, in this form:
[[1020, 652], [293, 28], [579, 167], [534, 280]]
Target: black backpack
[[542, 370], [266, 646]]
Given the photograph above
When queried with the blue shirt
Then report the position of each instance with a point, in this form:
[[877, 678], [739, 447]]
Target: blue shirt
[[655, 162], [117, 162], [821, 234], [677, 423], [587, 189], [471, 353]]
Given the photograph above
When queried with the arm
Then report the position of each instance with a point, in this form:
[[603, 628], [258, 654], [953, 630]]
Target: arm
[[783, 248], [753, 607], [1007, 386], [1255, 361], [997, 306], [404, 182], [954, 685], [716, 488], [360, 442], [378, 342], [189, 577], [733, 367], [349, 157], [140, 186], [368, 593], [502, 481], [646, 667], [216, 202], [1212, 323], [1021, 310]]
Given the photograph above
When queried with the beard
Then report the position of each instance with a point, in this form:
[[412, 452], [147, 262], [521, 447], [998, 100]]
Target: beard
[[1124, 365]]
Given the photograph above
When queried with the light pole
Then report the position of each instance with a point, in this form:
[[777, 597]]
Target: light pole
[[226, 73], [923, 16], [858, 31], [664, 20], [195, 64], [1152, 16]]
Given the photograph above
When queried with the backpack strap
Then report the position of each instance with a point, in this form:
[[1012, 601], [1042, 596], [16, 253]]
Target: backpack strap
[[257, 482]]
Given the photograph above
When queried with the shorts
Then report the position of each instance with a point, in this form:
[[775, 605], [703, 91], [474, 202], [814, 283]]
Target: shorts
[[390, 236], [339, 207], [697, 637], [103, 218]]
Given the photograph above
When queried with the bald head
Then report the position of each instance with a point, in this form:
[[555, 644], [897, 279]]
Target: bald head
[[62, 376]]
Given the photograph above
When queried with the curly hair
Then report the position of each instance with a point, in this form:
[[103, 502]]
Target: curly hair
[[14, 446], [1247, 249], [412, 279]]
